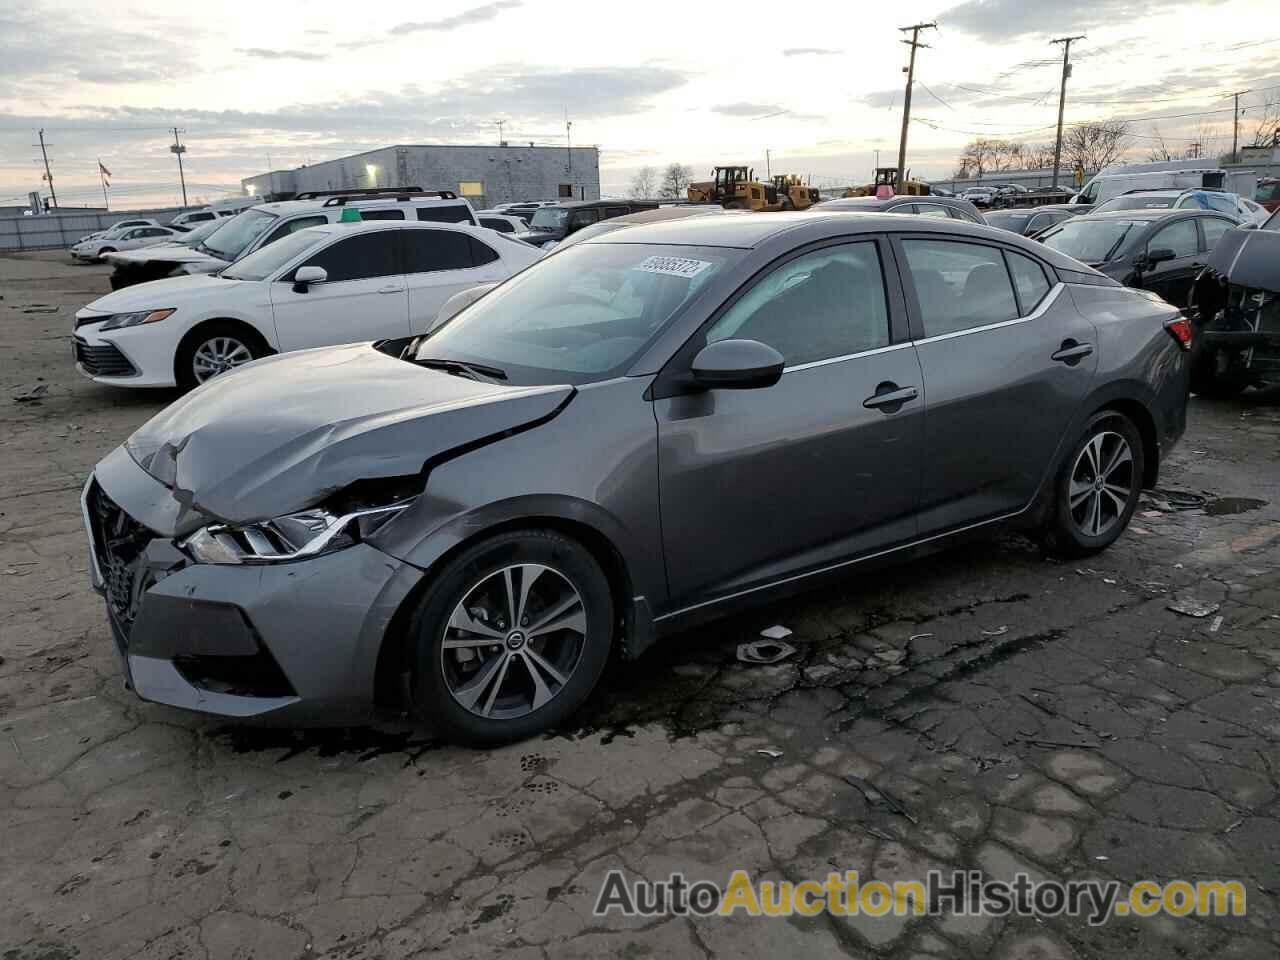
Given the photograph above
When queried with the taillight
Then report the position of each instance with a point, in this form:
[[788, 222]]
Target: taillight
[[1181, 331]]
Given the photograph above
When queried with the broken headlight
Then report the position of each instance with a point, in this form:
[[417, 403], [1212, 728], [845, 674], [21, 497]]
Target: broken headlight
[[295, 536]]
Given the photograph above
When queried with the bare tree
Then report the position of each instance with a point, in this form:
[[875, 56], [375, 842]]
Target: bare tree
[[1159, 149], [644, 183], [1092, 146], [1266, 123], [675, 181], [1037, 156]]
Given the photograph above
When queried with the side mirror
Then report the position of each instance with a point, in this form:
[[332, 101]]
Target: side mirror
[[303, 277], [1159, 255], [737, 365]]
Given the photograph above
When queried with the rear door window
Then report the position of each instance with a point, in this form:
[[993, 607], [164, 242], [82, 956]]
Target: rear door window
[[932, 210], [959, 285], [1214, 228], [381, 214], [428, 251], [1029, 280]]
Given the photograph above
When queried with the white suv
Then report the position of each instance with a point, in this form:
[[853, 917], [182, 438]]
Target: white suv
[[266, 223], [338, 283]]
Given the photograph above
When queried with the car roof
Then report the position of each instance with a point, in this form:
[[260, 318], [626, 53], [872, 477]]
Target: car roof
[[1159, 213], [285, 207]]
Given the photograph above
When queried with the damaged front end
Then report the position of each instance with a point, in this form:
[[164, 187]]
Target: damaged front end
[[234, 537], [1235, 305]]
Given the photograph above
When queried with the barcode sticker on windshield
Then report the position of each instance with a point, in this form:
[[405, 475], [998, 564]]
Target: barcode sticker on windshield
[[673, 266]]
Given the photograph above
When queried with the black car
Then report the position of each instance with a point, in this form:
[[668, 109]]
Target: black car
[[1235, 309], [1157, 250], [930, 206], [554, 223], [1029, 221]]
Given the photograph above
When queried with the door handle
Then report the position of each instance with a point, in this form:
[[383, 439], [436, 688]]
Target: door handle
[[889, 397], [1072, 352], [391, 289]]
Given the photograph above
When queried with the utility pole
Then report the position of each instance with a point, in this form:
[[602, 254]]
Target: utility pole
[[501, 142], [914, 43], [1235, 126], [48, 174], [179, 150], [568, 145], [102, 178], [1062, 99], [768, 169]]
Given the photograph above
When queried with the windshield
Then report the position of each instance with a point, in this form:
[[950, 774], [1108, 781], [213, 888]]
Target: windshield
[[1008, 221], [1273, 222], [549, 218], [1089, 240], [1135, 202], [234, 235], [579, 316], [199, 233], [586, 233], [265, 261]]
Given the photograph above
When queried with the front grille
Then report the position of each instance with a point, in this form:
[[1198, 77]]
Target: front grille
[[118, 544], [104, 361]]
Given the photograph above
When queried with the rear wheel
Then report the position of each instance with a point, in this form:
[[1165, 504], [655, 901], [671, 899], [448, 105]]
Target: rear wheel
[[511, 638], [1097, 488], [213, 349]]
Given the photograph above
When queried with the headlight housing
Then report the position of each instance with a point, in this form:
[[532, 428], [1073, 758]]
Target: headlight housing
[[295, 536], [119, 321]]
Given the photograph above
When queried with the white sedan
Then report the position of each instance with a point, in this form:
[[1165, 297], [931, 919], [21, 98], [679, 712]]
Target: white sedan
[[121, 238], [340, 283]]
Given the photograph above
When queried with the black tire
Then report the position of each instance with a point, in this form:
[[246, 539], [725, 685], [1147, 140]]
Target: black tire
[[735, 205], [442, 680], [1207, 380], [184, 363], [1071, 531], [105, 250]]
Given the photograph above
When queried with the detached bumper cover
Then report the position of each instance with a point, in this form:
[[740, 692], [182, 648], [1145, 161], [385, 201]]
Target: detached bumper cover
[[296, 640]]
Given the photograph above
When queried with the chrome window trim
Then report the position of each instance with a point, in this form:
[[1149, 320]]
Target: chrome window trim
[[848, 356], [1041, 309]]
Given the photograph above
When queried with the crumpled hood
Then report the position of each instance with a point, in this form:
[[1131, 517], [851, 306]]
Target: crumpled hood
[[168, 252], [1248, 258], [282, 434]]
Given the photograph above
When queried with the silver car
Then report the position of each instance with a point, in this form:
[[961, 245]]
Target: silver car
[[648, 429]]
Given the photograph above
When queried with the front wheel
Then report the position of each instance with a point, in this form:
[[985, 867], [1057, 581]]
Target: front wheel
[[214, 349], [511, 638], [1097, 488]]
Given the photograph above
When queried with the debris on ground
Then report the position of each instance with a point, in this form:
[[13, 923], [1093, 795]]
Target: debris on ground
[[769, 752], [764, 651], [1217, 624], [32, 395], [776, 632], [1173, 501], [918, 636], [997, 632], [881, 799], [1191, 607]]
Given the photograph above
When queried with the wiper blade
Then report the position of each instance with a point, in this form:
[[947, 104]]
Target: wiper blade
[[473, 370]]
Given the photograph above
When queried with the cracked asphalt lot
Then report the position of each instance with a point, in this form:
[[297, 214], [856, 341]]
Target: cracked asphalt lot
[[1029, 715]]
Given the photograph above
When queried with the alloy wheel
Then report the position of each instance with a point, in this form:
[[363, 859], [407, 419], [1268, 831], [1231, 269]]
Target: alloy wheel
[[1102, 481], [218, 355], [513, 641]]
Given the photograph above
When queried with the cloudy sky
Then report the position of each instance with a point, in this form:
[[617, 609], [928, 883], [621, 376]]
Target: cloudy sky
[[272, 85]]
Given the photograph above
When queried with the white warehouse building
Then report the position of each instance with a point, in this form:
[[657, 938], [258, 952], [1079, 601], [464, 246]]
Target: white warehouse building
[[485, 175]]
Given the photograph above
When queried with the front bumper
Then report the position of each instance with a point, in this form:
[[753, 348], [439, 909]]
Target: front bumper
[[297, 642], [134, 357]]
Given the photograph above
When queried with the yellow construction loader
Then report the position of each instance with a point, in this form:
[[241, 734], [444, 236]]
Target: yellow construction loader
[[888, 176], [792, 193], [735, 188]]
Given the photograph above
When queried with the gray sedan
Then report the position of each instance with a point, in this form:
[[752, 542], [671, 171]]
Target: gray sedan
[[651, 428]]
